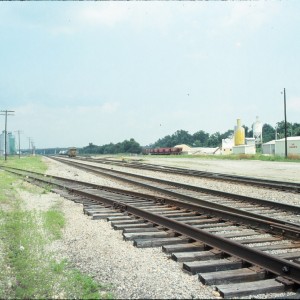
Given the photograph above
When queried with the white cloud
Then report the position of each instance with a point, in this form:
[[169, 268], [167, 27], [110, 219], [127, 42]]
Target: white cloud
[[109, 14], [139, 15], [250, 14]]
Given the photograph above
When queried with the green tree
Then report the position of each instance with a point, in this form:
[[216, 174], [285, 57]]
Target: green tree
[[131, 146], [281, 129], [90, 149], [215, 140], [268, 133], [181, 137], [200, 139], [296, 129]]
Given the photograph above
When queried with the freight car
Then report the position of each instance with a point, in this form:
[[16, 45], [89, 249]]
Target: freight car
[[72, 152], [163, 151]]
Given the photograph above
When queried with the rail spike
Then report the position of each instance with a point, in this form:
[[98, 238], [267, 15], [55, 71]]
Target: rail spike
[[121, 206]]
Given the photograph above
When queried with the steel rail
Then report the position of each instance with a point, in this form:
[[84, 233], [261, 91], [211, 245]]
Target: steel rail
[[92, 185], [283, 206], [282, 185], [275, 265], [268, 224]]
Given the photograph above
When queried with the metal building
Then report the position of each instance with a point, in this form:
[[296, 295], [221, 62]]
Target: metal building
[[269, 148], [293, 146]]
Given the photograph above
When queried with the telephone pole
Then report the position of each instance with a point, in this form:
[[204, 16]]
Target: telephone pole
[[285, 124], [19, 141], [6, 113], [29, 140]]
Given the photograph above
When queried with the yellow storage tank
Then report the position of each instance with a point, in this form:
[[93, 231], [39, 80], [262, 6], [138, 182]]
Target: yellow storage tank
[[239, 134]]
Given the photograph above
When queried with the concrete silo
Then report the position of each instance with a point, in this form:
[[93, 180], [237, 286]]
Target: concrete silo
[[257, 130]]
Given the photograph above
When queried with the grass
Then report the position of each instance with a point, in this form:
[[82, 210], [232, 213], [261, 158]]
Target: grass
[[54, 222], [28, 269], [30, 163]]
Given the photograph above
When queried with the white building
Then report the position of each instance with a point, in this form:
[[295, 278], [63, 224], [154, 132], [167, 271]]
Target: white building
[[293, 146], [269, 148], [244, 149], [227, 145]]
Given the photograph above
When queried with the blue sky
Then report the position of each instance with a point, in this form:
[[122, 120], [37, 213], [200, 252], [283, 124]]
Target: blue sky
[[101, 72]]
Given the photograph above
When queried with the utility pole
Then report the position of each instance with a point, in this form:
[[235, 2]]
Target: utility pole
[[33, 148], [19, 142], [29, 140], [6, 113], [285, 123]]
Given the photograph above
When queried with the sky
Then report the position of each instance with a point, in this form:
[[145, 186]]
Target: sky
[[85, 72]]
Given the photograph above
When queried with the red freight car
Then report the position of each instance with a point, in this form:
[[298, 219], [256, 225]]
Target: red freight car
[[163, 151]]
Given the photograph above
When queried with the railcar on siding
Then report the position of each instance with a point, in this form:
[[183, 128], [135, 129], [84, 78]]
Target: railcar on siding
[[162, 151]]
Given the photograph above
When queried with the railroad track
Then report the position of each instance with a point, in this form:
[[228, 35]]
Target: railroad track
[[259, 182], [237, 259], [206, 197]]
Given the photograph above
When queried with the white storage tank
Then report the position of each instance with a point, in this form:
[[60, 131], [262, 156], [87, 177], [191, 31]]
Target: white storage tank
[[257, 130]]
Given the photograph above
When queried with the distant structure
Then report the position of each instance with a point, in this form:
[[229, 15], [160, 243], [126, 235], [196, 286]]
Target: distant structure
[[257, 131], [239, 134], [277, 147], [242, 145], [10, 143], [227, 145]]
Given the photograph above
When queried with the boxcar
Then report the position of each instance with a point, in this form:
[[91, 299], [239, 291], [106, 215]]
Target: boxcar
[[163, 151]]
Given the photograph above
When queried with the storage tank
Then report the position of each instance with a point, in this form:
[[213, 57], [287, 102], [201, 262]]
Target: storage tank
[[257, 130], [239, 134]]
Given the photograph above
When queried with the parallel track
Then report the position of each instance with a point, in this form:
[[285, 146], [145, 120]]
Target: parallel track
[[270, 184], [209, 199], [206, 244]]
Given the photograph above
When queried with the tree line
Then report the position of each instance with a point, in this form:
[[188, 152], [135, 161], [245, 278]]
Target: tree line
[[198, 139], [126, 146]]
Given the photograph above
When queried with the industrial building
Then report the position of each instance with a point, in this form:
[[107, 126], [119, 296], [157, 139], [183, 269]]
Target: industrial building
[[269, 148], [241, 144], [10, 143], [227, 145], [277, 147]]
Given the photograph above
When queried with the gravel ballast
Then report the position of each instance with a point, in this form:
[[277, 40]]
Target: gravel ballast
[[95, 248], [133, 273]]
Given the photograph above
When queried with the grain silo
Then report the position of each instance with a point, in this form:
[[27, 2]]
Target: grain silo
[[239, 141], [239, 134]]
